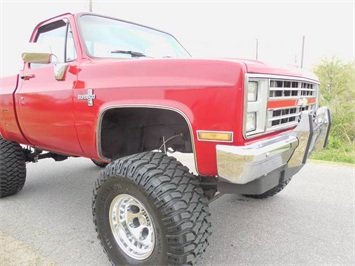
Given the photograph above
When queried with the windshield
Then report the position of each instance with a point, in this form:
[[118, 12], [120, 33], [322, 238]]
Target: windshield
[[110, 38]]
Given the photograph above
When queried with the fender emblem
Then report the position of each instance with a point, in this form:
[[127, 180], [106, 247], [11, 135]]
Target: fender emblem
[[302, 102], [90, 97]]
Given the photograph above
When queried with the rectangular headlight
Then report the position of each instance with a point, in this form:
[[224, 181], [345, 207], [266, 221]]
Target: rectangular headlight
[[252, 91], [251, 122]]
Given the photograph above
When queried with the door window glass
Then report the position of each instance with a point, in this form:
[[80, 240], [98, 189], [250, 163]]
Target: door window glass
[[59, 37]]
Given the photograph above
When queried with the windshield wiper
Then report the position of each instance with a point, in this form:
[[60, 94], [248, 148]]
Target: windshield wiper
[[132, 53]]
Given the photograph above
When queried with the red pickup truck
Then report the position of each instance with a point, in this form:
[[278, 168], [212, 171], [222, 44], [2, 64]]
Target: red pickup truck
[[125, 96]]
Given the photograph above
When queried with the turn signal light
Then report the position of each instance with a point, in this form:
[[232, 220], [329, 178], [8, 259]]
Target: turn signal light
[[215, 136]]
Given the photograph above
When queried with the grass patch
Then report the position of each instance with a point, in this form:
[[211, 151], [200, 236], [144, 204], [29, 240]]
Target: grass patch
[[335, 155]]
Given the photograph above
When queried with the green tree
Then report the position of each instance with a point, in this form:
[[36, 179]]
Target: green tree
[[338, 93]]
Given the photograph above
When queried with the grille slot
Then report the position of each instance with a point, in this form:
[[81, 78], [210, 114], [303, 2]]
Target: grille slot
[[297, 95], [291, 89], [287, 116]]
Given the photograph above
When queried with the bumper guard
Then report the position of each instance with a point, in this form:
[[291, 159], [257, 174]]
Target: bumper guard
[[243, 164]]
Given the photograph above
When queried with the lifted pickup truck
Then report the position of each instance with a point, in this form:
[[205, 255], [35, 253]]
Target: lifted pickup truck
[[125, 95]]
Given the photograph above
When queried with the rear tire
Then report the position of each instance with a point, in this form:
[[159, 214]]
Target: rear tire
[[12, 168], [149, 210], [271, 192]]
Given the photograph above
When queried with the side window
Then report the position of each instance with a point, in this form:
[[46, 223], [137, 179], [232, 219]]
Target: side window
[[59, 37], [70, 51]]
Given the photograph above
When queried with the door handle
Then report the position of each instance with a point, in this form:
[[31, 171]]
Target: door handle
[[27, 76]]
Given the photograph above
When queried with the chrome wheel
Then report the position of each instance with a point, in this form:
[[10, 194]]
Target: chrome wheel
[[132, 226]]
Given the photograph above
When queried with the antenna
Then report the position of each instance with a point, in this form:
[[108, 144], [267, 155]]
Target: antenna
[[303, 41], [90, 5]]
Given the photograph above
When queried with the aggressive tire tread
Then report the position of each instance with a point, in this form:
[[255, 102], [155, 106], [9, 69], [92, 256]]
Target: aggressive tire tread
[[176, 195], [12, 168]]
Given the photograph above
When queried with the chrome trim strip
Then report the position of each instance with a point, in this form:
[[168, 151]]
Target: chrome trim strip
[[280, 99], [283, 116], [104, 110], [283, 126], [269, 76], [292, 89]]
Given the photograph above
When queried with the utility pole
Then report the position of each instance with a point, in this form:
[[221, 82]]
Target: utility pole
[[257, 49], [303, 41], [90, 5]]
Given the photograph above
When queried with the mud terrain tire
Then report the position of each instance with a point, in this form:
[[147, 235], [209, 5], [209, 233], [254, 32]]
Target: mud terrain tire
[[149, 210], [12, 168], [271, 192]]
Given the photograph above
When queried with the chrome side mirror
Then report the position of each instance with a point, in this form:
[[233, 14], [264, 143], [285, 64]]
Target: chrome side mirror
[[60, 70]]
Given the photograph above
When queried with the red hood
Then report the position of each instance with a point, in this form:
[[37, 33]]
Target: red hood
[[167, 72], [258, 67], [189, 72]]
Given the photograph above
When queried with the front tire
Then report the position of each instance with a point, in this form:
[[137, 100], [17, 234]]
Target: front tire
[[149, 210], [12, 168]]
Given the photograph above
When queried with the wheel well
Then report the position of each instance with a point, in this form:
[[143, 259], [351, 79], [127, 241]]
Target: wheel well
[[126, 131]]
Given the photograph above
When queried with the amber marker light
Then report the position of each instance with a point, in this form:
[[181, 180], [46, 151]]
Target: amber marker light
[[215, 136]]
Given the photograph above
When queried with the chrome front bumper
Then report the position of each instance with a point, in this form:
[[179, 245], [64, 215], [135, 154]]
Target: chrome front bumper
[[243, 164]]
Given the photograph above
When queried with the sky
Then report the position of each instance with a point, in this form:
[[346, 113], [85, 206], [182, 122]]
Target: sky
[[217, 29]]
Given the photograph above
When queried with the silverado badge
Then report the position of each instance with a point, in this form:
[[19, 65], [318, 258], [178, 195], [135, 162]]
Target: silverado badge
[[90, 97]]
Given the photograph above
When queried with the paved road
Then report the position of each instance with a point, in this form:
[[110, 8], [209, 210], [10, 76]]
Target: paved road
[[312, 222]]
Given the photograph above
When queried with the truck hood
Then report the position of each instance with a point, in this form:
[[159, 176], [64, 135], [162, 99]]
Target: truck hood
[[172, 72], [258, 67], [166, 72]]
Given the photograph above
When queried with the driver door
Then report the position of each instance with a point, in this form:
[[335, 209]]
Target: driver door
[[45, 104]]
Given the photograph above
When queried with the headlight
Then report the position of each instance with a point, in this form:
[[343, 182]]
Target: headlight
[[252, 91], [251, 122], [256, 94]]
